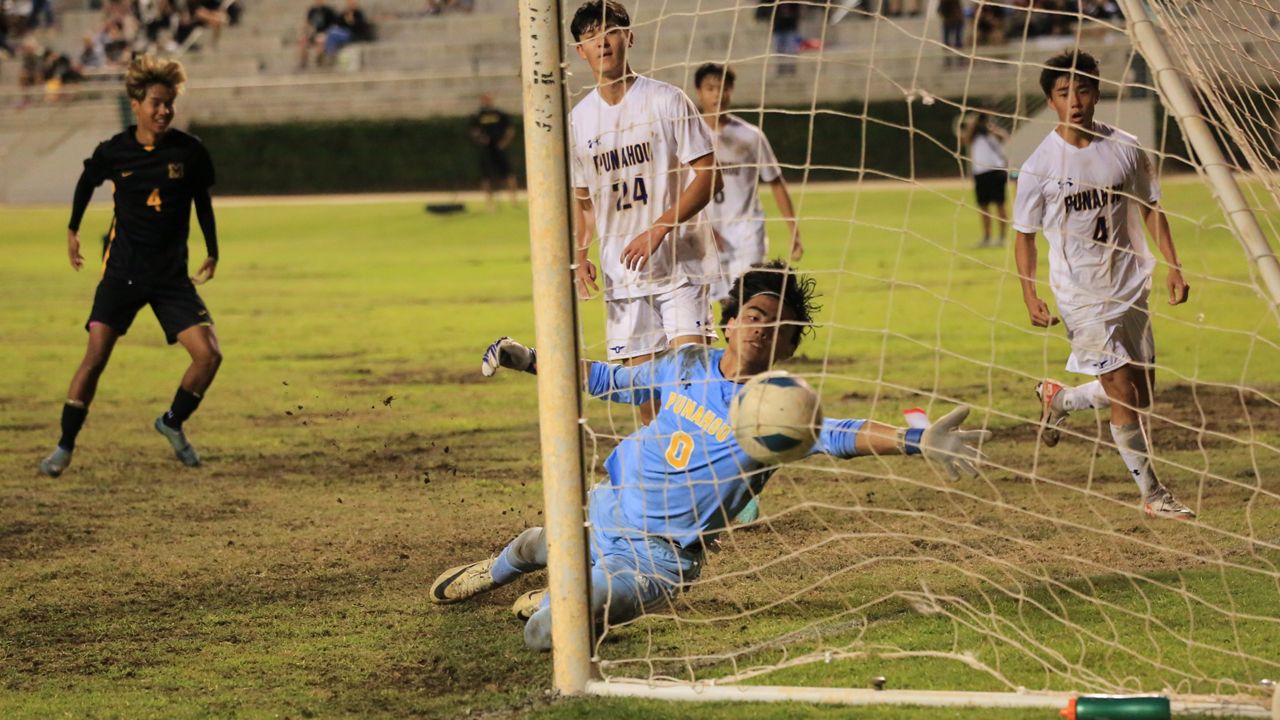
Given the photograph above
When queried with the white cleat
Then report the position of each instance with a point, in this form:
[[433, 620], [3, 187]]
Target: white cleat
[[56, 463], [1165, 505], [527, 604], [459, 583], [1050, 418], [178, 440]]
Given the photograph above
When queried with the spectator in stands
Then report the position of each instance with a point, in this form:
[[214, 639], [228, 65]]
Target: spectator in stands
[[116, 45], [952, 14], [5, 47], [210, 14], [351, 26], [320, 19], [31, 68], [988, 24], [13, 18], [786, 34], [58, 70], [1101, 9], [41, 10], [92, 55], [492, 131], [120, 13], [158, 17]]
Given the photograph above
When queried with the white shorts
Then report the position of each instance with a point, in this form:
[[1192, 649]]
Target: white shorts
[[646, 325], [731, 268], [1097, 348]]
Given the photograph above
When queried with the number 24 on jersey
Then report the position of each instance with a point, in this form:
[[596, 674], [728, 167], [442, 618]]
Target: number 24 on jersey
[[625, 198]]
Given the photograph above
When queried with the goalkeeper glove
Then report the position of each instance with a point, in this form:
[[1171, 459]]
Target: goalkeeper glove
[[507, 353], [945, 444]]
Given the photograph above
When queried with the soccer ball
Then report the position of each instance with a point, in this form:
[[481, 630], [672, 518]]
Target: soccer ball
[[776, 417]]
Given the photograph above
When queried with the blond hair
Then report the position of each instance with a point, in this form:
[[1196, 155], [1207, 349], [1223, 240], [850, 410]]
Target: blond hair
[[148, 70]]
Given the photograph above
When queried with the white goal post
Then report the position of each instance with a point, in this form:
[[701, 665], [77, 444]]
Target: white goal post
[[986, 611]]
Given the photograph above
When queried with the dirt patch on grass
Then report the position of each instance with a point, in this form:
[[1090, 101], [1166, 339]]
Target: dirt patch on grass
[[420, 376], [34, 539]]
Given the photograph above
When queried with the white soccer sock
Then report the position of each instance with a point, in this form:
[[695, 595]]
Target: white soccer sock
[[1132, 445], [1082, 397]]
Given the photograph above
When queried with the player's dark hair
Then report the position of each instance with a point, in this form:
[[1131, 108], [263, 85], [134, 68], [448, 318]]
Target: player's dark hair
[[981, 124], [714, 70], [774, 278], [1072, 62], [602, 14]]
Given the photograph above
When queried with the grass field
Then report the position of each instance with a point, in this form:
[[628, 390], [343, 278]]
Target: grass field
[[352, 452]]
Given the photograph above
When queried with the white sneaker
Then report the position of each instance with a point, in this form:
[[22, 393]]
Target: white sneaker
[[1050, 417], [527, 604], [459, 583], [1165, 505]]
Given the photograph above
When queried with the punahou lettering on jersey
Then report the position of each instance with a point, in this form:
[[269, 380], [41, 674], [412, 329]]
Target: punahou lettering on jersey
[[745, 159], [1088, 202], [683, 476], [632, 157], [153, 195]]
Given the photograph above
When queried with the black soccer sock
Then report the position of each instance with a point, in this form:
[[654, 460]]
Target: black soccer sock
[[184, 403], [73, 415]]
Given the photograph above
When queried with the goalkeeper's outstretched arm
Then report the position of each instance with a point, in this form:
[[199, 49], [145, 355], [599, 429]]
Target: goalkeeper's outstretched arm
[[942, 443], [632, 385]]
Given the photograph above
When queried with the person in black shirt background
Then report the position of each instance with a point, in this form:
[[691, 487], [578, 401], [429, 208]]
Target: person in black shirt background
[[492, 131], [158, 174], [320, 19]]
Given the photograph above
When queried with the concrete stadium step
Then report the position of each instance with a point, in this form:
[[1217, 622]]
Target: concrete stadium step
[[50, 154]]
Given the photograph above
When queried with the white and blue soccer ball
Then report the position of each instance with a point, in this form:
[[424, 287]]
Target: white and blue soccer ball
[[776, 417]]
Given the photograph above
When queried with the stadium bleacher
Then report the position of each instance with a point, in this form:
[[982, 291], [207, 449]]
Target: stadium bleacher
[[432, 65]]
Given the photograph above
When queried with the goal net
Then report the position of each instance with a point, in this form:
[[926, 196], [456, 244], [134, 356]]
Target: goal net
[[1040, 576]]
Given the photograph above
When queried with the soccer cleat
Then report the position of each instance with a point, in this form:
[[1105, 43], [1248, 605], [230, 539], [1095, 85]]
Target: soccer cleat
[[459, 583], [1050, 417], [749, 514], [56, 463], [1165, 505], [527, 604], [178, 439]]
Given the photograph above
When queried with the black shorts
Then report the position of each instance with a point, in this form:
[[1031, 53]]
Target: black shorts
[[494, 164], [990, 187], [175, 303]]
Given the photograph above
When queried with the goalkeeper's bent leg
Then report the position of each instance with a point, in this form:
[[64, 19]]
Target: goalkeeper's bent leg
[[622, 593], [527, 553], [624, 586]]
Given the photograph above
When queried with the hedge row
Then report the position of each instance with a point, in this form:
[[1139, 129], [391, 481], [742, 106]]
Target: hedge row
[[437, 153], [837, 142]]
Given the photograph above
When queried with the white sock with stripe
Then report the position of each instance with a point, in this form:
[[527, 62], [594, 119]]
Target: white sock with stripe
[[1082, 397]]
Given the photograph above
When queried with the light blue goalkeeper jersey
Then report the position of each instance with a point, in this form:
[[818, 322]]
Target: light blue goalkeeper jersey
[[683, 476]]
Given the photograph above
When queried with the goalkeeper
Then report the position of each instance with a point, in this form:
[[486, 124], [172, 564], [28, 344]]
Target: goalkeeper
[[674, 483]]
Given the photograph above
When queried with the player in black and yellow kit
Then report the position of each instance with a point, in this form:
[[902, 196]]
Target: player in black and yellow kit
[[158, 174]]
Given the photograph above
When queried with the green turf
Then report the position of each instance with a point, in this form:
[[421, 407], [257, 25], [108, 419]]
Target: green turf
[[352, 453]]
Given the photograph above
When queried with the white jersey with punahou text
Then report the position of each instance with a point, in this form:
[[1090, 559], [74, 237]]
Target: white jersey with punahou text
[[633, 158], [744, 159], [1088, 202]]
